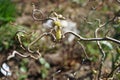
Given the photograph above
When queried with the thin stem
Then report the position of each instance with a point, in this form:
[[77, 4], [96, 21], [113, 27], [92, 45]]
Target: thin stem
[[21, 44], [83, 50], [93, 39], [24, 48], [13, 55], [38, 38], [101, 51], [33, 14], [22, 55], [42, 15]]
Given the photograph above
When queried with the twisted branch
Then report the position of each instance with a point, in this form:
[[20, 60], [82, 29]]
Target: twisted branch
[[80, 38], [38, 38]]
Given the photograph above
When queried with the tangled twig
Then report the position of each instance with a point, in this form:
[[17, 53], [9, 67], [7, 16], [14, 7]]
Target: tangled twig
[[29, 54]]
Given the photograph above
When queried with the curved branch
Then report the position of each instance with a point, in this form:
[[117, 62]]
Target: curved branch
[[93, 39], [101, 50], [22, 55], [85, 54], [41, 14], [19, 39], [41, 36], [13, 55], [33, 14], [24, 48]]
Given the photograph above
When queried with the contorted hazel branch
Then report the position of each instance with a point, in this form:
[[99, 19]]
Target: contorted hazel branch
[[58, 31], [57, 34]]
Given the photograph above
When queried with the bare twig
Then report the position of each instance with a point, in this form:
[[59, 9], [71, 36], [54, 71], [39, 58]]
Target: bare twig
[[19, 39], [13, 55], [93, 39], [38, 38], [101, 50], [23, 55], [24, 48], [83, 50], [34, 11]]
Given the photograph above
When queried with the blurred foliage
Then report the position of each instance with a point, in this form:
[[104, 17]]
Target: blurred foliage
[[44, 68], [25, 38], [23, 69], [92, 51], [23, 65], [79, 1], [7, 36], [7, 11], [28, 37], [115, 65]]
